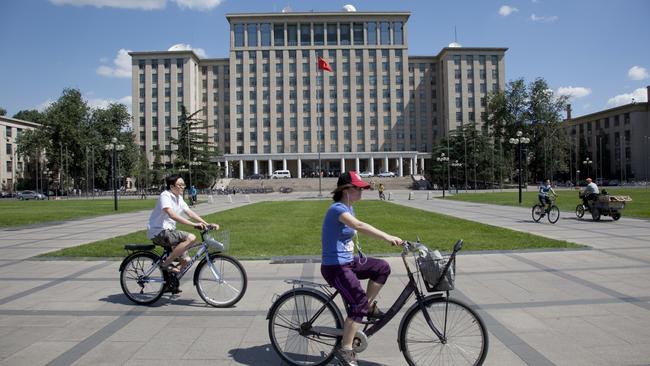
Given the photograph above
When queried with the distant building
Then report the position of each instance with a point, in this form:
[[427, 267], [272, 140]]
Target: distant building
[[616, 141], [269, 107], [11, 164]]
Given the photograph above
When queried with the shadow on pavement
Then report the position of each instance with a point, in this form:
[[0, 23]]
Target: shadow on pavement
[[265, 355], [163, 301]]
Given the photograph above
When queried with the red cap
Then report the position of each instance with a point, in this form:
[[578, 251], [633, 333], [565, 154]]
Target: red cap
[[351, 178]]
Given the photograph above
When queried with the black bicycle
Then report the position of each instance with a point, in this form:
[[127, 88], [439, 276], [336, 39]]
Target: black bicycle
[[305, 324], [220, 279], [551, 211]]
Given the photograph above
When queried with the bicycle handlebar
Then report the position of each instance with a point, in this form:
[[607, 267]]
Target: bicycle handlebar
[[417, 246]]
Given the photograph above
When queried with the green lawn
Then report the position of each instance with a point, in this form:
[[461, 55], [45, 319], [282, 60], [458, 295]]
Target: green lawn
[[294, 228], [567, 200], [16, 212]]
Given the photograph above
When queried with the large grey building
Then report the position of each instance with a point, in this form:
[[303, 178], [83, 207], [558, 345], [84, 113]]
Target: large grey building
[[11, 163], [269, 106], [613, 143]]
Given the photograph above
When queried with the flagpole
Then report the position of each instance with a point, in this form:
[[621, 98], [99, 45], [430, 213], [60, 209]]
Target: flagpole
[[323, 66]]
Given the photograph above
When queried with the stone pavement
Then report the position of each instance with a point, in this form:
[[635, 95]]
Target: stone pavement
[[555, 307]]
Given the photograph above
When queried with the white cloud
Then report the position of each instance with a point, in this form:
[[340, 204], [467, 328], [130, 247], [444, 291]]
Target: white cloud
[[121, 68], [639, 95], [198, 4], [637, 73], [124, 4], [506, 10], [573, 91], [188, 47], [104, 103], [43, 106], [550, 19]]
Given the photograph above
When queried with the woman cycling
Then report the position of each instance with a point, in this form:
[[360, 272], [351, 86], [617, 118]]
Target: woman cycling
[[343, 270]]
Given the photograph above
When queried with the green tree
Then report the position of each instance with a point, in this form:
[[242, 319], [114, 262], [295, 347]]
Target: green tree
[[3, 112], [194, 152], [31, 115]]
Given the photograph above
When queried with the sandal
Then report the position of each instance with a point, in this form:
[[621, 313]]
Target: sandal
[[374, 313], [171, 268]]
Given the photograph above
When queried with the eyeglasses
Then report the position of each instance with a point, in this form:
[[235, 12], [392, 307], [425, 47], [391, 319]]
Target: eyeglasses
[[180, 185]]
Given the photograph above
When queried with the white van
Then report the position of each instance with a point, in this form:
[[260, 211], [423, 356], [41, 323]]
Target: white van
[[281, 174]]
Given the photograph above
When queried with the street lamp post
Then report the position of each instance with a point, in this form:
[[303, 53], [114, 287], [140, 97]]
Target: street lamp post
[[519, 140], [578, 178], [587, 162], [115, 147], [443, 160], [456, 165]]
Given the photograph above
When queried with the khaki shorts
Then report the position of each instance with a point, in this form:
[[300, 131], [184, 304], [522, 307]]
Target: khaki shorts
[[170, 238]]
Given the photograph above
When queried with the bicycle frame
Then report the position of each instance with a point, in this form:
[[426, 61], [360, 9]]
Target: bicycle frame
[[371, 328]]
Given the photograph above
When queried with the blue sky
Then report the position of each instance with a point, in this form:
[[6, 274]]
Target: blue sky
[[596, 50]]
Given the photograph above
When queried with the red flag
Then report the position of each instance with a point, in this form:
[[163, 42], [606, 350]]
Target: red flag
[[323, 65]]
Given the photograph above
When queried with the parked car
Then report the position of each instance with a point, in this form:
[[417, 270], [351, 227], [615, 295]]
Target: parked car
[[366, 174], [5, 194], [256, 176], [386, 175], [30, 195], [281, 174]]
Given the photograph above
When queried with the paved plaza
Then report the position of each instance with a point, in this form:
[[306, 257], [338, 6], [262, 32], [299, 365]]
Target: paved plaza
[[549, 307]]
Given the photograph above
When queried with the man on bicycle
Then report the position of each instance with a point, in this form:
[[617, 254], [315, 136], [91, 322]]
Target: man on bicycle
[[162, 223], [544, 191], [590, 193]]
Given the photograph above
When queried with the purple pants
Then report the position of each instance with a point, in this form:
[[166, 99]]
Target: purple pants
[[345, 278]]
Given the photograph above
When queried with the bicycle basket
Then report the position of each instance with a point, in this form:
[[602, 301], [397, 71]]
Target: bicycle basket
[[432, 267], [218, 240]]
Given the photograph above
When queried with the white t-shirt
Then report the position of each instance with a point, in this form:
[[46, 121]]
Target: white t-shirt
[[592, 188], [159, 219]]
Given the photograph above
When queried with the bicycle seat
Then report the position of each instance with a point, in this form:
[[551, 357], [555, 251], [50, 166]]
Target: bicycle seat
[[139, 246]]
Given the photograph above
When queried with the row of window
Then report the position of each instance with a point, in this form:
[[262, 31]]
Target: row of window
[[318, 34], [166, 63], [469, 59]]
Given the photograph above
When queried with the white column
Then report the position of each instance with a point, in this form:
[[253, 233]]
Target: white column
[[299, 168], [372, 165], [401, 167], [241, 169], [343, 165], [227, 169], [414, 165], [422, 164], [270, 168], [284, 164], [386, 163], [356, 164], [255, 168]]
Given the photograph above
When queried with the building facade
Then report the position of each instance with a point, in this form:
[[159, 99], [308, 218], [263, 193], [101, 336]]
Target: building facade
[[12, 164], [613, 144], [268, 106]]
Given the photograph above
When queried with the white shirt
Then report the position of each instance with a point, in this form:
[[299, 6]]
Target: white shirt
[[159, 219], [592, 188]]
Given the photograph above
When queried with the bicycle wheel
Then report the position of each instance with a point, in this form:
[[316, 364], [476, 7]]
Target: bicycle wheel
[[139, 287], [538, 211], [224, 286], [580, 211], [553, 214], [290, 330], [466, 338]]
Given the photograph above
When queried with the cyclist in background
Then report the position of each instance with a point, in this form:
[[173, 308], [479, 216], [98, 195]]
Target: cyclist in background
[[544, 191], [590, 193], [343, 270], [193, 193]]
